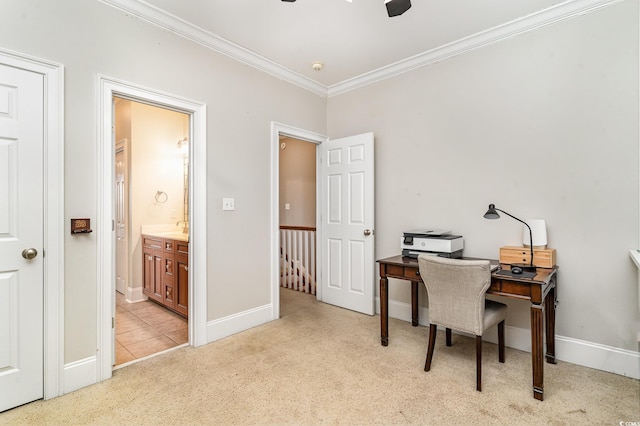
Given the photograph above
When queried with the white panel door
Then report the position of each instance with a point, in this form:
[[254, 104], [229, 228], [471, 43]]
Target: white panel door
[[348, 260], [21, 228], [122, 208]]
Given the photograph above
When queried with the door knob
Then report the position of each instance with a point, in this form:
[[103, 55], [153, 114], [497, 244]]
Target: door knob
[[29, 253], [367, 232]]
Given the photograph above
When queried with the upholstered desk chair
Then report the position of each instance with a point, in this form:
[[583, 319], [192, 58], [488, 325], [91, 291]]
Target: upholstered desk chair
[[456, 290]]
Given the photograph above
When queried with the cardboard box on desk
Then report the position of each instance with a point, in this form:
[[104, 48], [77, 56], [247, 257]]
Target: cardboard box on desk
[[542, 258]]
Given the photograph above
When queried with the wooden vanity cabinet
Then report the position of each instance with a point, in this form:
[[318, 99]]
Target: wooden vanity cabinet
[[168, 269], [152, 268], [166, 272], [181, 283]]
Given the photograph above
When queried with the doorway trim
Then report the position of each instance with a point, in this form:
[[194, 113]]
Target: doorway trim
[[108, 88], [278, 129], [53, 249]]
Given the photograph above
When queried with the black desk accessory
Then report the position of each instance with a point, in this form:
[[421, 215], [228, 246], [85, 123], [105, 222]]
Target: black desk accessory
[[523, 274]]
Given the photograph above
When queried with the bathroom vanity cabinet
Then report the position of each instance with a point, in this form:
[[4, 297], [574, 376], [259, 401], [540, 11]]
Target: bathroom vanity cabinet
[[166, 271]]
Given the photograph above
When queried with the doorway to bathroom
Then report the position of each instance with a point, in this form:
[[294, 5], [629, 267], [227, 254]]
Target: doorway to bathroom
[[151, 188]]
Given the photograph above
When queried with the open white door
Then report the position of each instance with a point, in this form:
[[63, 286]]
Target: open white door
[[122, 209], [347, 173], [21, 236]]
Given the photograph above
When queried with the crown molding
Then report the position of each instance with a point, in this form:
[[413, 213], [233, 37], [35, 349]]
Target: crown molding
[[167, 21], [551, 15], [560, 12]]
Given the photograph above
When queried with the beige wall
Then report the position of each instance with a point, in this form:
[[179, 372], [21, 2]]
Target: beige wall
[[298, 183], [122, 111], [544, 125], [91, 38]]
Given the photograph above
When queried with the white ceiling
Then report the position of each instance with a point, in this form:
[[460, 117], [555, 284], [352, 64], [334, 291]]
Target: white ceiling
[[352, 39]]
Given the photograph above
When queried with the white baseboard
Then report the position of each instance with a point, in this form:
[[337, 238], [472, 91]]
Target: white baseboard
[[134, 294], [601, 357], [79, 374], [593, 355], [223, 327]]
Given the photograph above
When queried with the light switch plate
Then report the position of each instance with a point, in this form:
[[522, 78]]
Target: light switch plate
[[228, 204]]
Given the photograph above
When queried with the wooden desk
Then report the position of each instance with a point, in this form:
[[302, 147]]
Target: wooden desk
[[540, 291]]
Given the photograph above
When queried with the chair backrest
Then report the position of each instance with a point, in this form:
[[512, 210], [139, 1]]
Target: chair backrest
[[456, 290]]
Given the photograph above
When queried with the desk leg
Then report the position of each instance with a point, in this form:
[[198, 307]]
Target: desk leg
[[550, 323], [384, 314], [536, 351], [414, 303]]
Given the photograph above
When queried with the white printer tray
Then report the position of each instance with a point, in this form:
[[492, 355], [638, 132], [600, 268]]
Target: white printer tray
[[415, 253]]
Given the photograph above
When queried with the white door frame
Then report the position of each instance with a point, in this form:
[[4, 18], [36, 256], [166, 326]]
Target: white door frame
[[53, 327], [108, 88], [278, 129]]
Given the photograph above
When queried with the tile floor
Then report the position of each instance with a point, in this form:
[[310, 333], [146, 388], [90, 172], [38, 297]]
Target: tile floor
[[145, 328]]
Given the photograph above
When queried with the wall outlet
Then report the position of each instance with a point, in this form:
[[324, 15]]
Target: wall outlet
[[227, 204], [287, 206]]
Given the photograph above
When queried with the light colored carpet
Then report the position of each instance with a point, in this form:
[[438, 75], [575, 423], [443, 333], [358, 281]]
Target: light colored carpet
[[324, 365]]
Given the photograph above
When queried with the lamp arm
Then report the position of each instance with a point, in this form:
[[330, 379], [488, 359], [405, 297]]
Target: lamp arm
[[530, 233]]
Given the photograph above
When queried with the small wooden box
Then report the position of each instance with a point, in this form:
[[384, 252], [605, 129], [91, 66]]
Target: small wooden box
[[542, 258]]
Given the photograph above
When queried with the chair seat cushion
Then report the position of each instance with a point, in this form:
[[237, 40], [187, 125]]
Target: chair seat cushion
[[494, 312]]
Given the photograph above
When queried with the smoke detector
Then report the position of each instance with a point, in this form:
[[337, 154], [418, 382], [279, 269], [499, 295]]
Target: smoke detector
[[317, 66]]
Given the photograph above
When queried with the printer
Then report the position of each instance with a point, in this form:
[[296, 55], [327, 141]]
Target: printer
[[435, 242]]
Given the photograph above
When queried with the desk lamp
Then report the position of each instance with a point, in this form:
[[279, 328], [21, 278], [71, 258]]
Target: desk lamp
[[492, 213]]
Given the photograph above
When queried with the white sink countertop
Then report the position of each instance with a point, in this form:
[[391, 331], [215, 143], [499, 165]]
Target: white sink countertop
[[165, 231], [170, 235]]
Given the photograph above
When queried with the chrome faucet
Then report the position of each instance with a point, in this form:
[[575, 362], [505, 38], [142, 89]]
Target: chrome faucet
[[185, 230]]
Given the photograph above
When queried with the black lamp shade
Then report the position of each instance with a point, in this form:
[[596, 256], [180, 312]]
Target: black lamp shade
[[397, 7], [492, 213]]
